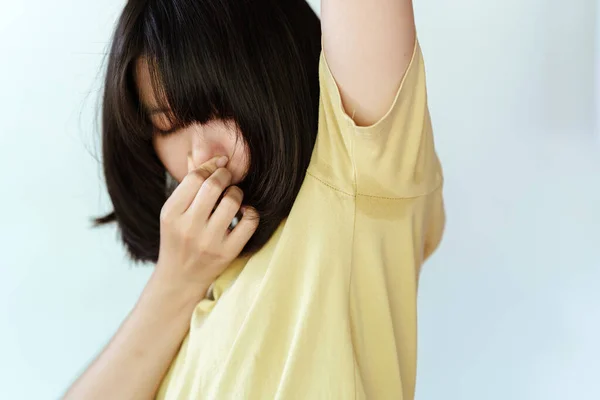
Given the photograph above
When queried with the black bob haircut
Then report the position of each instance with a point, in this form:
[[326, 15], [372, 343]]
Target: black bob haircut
[[254, 62]]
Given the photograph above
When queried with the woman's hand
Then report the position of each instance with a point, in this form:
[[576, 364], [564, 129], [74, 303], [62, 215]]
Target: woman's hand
[[196, 244], [195, 247]]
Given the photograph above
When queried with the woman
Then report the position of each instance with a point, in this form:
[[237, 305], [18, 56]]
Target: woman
[[327, 158]]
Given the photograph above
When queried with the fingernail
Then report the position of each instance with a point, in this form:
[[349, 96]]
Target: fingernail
[[221, 162]]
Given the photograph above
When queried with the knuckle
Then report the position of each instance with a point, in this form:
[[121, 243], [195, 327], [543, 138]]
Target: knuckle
[[201, 174], [226, 174], [215, 183], [166, 216], [254, 219], [234, 195], [252, 214], [192, 178], [212, 185], [235, 191], [197, 176], [251, 219]]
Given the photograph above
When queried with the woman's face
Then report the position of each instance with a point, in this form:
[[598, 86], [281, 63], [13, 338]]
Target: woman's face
[[200, 141]]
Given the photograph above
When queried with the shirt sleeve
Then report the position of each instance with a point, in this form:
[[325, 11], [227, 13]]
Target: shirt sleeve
[[393, 158]]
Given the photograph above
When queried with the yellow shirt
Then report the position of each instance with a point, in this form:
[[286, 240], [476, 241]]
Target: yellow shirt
[[327, 308]]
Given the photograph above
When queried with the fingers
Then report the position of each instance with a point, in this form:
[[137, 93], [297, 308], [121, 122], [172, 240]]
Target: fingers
[[190, 164], [225, 212], [209, 193], [239, 236], [185, 193], [211, 165]]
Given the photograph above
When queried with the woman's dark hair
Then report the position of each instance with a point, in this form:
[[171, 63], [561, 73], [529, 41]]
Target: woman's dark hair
[[254, 62]]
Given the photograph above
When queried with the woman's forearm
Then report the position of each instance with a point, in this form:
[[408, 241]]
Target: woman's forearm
[[134, 362]]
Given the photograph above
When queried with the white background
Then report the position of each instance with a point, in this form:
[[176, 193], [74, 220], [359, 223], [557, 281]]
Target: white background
[[509, 305]]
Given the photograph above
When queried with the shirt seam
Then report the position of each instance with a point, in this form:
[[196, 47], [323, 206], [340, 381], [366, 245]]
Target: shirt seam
[[416, 196]]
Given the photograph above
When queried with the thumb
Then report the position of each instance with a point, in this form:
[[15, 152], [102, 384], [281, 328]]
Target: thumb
[[209, 166], [190, 164]]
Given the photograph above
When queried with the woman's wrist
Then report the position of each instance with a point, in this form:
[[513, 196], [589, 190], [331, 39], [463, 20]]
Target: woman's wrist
[[172, 294]]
